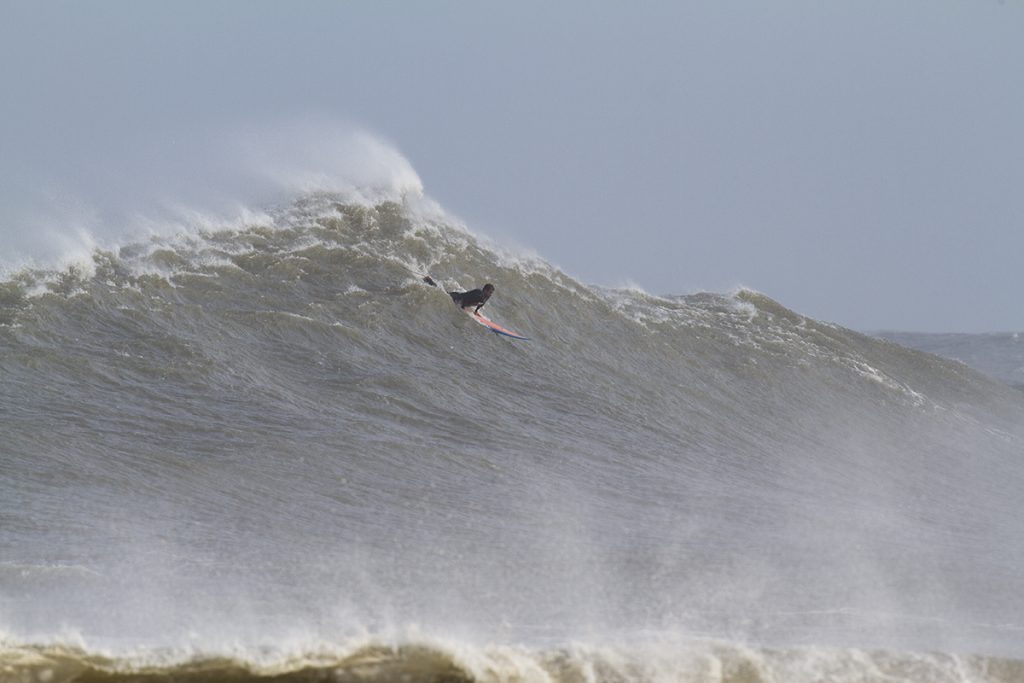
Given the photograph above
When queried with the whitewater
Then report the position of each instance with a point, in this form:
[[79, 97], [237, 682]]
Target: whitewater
[[266, 450]]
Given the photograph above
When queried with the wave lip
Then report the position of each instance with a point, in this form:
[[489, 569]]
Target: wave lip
[[175, 182]]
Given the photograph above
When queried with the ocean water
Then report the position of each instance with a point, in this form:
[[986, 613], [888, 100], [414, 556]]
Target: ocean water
[[999, 355], [268, 451]]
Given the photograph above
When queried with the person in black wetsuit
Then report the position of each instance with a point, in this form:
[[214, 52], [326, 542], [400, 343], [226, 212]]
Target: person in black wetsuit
[[474, 297]]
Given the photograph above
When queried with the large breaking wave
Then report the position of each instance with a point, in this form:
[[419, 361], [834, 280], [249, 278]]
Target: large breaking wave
[[267, 449]]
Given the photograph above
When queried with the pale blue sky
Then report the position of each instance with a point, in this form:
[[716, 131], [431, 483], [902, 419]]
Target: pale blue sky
[[861, 162]]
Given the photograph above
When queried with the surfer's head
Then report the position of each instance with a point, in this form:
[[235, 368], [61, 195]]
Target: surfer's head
[[488, 288]]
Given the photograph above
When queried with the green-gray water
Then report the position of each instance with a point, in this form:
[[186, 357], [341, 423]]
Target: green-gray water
[[272, 451]]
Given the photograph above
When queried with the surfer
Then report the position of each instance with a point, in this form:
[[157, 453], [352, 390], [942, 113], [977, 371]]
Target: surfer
[[474, 297]]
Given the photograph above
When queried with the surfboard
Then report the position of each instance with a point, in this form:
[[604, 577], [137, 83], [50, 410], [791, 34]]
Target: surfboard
[[493, 326]]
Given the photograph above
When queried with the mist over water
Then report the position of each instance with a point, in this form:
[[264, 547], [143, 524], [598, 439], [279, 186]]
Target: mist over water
[[262, 446]]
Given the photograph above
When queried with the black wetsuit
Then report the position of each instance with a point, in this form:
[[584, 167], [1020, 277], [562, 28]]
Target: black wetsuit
[[474, 297]]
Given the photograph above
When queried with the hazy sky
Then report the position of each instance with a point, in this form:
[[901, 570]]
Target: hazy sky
[[861, 162]]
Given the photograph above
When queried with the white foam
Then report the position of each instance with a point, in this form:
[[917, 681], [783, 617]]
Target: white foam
[[668, 659], [206, 182]]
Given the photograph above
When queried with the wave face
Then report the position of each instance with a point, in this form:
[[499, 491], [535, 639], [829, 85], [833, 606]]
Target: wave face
[[272, 451]]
